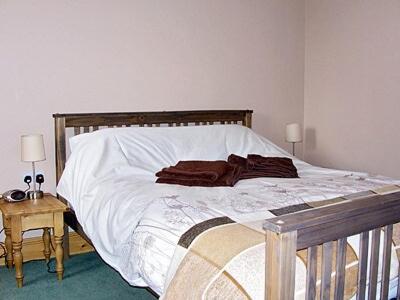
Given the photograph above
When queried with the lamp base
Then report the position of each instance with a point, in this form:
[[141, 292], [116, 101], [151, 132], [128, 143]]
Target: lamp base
[[34, 195], [293, 145]]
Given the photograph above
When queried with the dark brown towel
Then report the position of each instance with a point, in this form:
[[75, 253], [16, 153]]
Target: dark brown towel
[[194, 169], [259, 166], [200, 173]]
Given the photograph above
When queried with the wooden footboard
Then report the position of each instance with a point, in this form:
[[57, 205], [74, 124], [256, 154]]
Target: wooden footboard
[[322, 227]]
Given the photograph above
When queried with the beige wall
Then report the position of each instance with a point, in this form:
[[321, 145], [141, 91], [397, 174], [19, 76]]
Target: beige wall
[[82, 56], [352, 85]]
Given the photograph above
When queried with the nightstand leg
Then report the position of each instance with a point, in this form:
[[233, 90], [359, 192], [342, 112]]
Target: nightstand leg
[[58, 238], [9, 256], [46, 242], [18, 263], [59, 257], [16, 237], [8, 243]]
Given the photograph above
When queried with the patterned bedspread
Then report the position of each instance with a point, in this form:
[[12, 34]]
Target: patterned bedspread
[[212, 256], [136, 224]]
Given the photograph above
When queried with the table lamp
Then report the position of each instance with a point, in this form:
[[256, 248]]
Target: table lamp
[[32, 150], [293, 135]]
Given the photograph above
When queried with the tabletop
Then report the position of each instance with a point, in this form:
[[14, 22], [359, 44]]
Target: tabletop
[[47, 204]]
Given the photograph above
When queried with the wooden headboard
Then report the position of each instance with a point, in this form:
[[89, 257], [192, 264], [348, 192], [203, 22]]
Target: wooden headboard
[[87, 122]]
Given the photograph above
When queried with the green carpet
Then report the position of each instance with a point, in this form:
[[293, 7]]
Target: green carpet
[[86, 276]]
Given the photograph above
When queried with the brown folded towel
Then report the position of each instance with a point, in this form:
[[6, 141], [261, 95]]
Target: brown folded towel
[[259, 166], [200, 173], [280, 166], [194, 169]]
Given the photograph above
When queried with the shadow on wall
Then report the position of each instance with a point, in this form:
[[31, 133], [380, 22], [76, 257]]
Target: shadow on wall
[[310, 139]]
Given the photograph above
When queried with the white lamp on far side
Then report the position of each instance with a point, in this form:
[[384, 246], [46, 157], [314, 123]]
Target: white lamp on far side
[[32, 150], [293, 135]]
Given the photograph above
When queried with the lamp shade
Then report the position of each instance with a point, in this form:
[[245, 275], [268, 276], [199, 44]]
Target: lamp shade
[[32, 148], [293, 133]]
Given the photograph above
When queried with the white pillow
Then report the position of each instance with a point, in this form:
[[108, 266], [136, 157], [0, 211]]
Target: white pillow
[[151, 149], [141, 151]]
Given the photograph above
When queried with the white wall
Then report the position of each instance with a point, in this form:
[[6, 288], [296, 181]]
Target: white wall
[[352, 85], [92, 56]]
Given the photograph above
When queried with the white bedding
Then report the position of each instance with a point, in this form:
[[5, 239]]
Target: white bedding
[[135, 224]]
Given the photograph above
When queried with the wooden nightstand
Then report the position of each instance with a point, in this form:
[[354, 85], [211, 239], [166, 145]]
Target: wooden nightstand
[[21, 216]]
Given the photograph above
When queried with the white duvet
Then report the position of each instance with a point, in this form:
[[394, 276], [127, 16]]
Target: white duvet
[[135, 223]]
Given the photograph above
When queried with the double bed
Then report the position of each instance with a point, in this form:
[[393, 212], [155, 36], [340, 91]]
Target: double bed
[[153, 234]]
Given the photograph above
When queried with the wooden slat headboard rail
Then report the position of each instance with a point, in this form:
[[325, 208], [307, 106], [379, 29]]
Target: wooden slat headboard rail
[[87, 122]]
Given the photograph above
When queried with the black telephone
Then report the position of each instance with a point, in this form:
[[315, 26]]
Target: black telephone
[[14, 196]]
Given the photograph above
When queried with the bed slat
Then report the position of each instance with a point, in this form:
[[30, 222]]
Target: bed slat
[[326, 270], [374, 260], [340, 268], [162, 117], [398, 283], [95, 128], [363, 265], [77, 130], [311, 272], [387, 251], [85, 129]]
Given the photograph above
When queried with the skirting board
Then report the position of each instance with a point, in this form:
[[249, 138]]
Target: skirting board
[[32, 248]]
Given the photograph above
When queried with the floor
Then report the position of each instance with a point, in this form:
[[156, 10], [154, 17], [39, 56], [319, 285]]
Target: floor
[[86, 277]]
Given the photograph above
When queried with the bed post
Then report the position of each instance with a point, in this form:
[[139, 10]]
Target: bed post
[[247, 118], [61, 157], [280, 265], [59, 127]]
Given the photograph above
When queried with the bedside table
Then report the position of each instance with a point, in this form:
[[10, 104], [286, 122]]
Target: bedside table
[[21, 216]]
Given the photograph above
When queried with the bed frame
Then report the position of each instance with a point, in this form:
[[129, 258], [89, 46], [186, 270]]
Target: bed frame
[[286, 234], [88, 122]]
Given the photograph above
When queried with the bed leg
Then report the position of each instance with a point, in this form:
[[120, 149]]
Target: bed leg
[[280, 265], [66, 242]]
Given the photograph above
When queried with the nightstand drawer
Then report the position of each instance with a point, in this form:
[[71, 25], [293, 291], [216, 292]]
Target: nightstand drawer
[[37, 221]]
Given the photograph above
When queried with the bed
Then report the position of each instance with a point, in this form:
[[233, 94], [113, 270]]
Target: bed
[[142, 229]]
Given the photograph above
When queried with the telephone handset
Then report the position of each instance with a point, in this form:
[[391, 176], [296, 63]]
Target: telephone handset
[[14, 196]]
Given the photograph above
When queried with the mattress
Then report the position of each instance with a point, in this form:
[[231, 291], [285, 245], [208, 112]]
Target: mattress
[[135, 224]]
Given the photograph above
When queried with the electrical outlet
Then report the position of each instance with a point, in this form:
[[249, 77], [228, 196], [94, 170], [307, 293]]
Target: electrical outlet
[[30, 174], [28, 179]]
